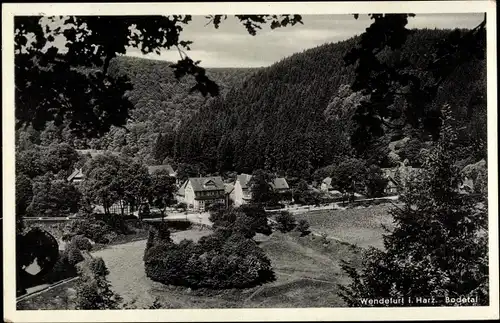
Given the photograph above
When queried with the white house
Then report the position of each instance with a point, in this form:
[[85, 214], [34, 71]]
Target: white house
[[199, 192], [241, 193], [326, 184]]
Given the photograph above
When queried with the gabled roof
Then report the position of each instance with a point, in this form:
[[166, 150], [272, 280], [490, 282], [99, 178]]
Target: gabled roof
[[154, 168], [228, 188], [77, 173], [201, 184], [180, 191], [243, 179], [327, 181], [279, 183]]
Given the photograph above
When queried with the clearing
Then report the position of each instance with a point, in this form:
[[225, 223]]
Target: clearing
[[360, 226], [307, 268], [307, 273]]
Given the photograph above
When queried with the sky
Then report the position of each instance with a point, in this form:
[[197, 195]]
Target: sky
[[232, 46]]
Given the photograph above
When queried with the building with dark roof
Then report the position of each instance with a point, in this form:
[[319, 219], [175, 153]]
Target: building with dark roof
[[200, 192], [241, 192]]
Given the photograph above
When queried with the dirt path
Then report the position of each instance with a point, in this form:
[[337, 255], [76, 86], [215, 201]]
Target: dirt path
[[126, 268]]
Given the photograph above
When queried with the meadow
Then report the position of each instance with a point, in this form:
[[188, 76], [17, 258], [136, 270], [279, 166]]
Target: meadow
[[360, 226]]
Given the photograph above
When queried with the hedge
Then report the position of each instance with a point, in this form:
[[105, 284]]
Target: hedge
[[221, 260]]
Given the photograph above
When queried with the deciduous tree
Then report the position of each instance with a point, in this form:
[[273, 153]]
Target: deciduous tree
[[260, 187], [24, 194], [162, 190], [53, 197], [114, 179], [375, 181]]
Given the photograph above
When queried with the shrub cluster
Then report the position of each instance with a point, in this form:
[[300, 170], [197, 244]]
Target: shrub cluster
[[65, 266], [95, 230], [303, 227], [81, 243], [117, 222], [158, 234], [247, 220], [285, 222], [225, 259], [94, 291], [62, 269]]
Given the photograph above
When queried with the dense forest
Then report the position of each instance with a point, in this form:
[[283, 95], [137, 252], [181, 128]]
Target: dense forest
[[294, 117], [160, 103]]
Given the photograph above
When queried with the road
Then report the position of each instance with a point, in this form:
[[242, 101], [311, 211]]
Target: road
[[196, 218]]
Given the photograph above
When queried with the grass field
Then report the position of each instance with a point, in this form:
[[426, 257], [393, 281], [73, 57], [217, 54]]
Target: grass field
[[360, 226], [307, 274]]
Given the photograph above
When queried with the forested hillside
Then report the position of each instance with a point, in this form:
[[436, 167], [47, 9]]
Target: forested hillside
[[160, 103], [294, 116]]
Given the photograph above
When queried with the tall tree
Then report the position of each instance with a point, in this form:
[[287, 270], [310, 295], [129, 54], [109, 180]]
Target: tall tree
[[60, 157], [162, 190], [111, 179], [24, 194], [439, 246], [102, 180], [386, 81], [260, 187], [375, 181], [53, 197], [349, 176]]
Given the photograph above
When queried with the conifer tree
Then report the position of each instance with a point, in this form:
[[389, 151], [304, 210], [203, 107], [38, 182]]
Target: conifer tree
[[439, 244]]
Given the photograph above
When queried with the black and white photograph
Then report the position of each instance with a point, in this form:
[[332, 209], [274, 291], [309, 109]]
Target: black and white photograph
[[163, 157]]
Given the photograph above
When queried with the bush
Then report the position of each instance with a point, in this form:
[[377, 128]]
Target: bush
[[117, 223], [62, 269], [224, 259], [95, 230], [303, 227], [375, 182], [144, 211], [285, 222], [158, 234], [73, 254], [94, 291], [81, 243], [247, 219]]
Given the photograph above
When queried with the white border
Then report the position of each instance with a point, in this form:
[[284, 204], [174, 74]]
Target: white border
[[298, 314]]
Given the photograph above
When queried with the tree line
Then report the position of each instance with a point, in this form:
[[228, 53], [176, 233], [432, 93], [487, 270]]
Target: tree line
[[298, 115], [43, 189]]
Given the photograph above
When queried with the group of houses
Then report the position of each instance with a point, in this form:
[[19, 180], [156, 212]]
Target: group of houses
[[397, 179], [199, 192]]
